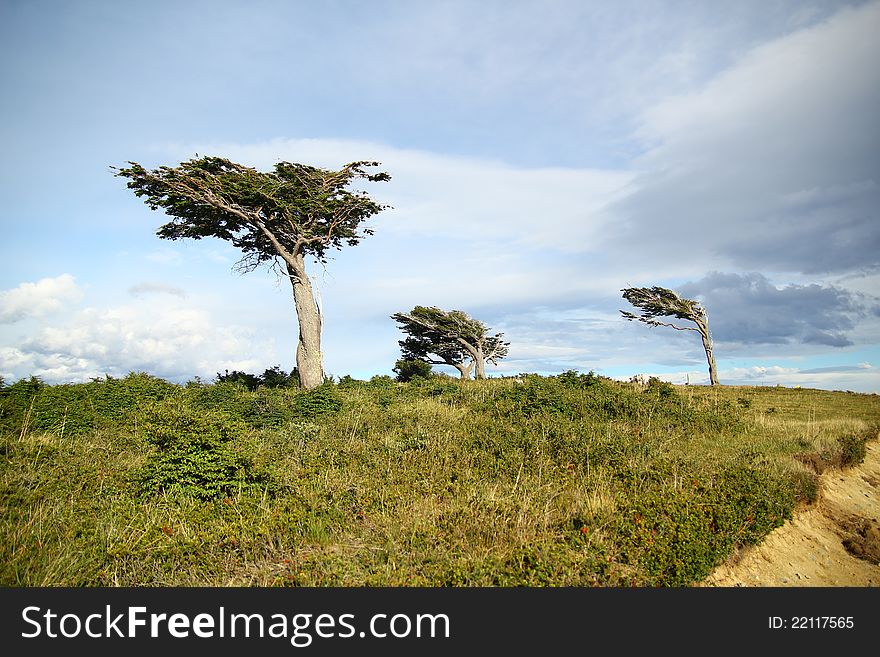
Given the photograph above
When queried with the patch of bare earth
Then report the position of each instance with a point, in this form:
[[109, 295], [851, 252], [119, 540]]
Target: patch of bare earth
[[835, 542]]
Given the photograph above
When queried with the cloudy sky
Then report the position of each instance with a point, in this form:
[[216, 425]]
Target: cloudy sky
[[543, 154]]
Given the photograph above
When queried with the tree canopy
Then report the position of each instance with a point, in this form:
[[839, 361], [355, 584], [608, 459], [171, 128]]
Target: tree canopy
[[661, 302], [295, 209], [451, 338]]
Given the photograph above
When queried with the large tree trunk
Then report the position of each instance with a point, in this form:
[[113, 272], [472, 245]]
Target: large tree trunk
[[308, 349], [710, 356], [464, 370], [480, 363]]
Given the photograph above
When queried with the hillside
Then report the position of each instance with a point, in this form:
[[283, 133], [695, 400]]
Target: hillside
[[574, 480]]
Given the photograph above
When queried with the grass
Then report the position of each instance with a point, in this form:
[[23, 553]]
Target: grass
[[573, 480]]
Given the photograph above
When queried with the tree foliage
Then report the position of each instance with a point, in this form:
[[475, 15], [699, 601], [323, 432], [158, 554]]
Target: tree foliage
[[661, 302], [451, 337], [657, 302], [295, 209]]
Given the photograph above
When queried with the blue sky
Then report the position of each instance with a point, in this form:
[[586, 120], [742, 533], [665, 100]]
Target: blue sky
[[543, 156]]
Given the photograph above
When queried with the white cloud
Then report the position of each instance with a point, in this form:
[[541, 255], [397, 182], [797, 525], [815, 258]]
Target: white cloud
[[12, 359], [46, 296], [163, 336]]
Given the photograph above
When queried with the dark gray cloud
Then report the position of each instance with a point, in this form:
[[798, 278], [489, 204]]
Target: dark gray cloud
[[749, 309]]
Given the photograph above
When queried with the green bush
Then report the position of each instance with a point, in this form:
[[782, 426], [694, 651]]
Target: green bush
[[806, 486], [275, 377], [347, 382], [245, 379], [193, 452], [673, 538], [323, 400], [573, 379], [445, 388], [852, 447], [408, 369], [660, 388], [270, 408], [231, 396]]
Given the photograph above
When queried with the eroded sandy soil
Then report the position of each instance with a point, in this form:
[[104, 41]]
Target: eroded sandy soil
[[836, 542]]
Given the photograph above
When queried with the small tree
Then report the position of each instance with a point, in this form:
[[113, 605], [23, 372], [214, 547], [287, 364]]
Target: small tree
[[660, 302], [281, 217], [408, 369], [451, 338]]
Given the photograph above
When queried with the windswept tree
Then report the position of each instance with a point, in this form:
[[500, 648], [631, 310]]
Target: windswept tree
[[451, 337], [279, 218], [660, 302]]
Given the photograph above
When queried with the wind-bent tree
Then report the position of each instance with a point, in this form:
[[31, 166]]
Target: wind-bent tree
[[279, 217], [660, 302], [434, 349], [450, 337]]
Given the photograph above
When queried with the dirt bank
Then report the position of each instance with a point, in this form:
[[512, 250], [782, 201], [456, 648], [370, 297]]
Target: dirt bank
[[836, 542]]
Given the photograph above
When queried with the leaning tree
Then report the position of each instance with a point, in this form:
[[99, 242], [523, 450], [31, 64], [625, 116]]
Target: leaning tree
[[660, 302], [280, 217], [451, 337]]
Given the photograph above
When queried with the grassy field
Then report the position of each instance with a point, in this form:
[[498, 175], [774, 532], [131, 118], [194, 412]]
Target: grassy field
[[573, 480]]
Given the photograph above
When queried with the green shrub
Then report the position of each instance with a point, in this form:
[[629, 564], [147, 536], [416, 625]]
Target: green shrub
[[275, 377], [660, 388], [408, 369], [445, 388], [117, 399], [232, 397], [17, 403], [673, 538], [270, 408], [347, 382], [852, 447], [323, 400], [381, 381], [806, 486], [193, 454], [248, 381], [573, 379]]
